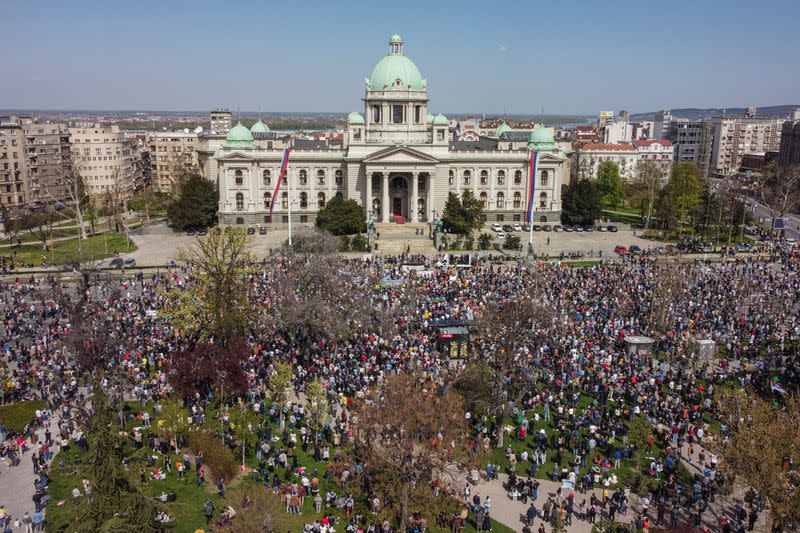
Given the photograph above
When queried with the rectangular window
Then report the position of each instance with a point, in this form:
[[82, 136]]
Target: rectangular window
[[500, 218], [397, 114], [376, 113], [417, 114], [285, 219], [303, 218]]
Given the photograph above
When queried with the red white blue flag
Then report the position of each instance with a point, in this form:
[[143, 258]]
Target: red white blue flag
[[281, 174], [532, 166]]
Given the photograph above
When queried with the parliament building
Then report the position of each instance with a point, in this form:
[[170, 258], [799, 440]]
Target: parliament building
[[396, 158]]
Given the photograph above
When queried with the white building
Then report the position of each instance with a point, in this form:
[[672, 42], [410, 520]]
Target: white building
[[169, 150], [396, 160], [588, 157], [736, 136], [618, 132], [103, 156]]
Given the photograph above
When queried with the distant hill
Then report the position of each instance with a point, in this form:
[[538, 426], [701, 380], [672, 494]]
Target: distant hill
[[694, 113]]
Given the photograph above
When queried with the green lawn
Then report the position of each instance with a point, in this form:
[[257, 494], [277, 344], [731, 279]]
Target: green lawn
[[17, 415], [188, 507], [61, 252]]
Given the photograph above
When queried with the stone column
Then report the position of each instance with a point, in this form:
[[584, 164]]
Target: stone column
[[414, 196], [385, 207]]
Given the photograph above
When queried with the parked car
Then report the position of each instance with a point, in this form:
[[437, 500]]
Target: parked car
[[634, 249], [496, 227], [517, 227], [588, 228], [129, 262], [601, 228], [537, 227], [526, 227], [547, 228], [558, 227], [568, 229], [251, 231], [202, 231], [578, 228], [613, 229], [262, 230], [621, 250], [507, 228], [117, 262], [501, 235], [191, 232]]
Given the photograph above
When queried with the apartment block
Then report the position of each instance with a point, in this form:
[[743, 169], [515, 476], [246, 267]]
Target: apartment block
[[692, 141], [105, 160], [736, 136], [13, 190], [790, 142], [47, 155], [168, 152], [221, 121]]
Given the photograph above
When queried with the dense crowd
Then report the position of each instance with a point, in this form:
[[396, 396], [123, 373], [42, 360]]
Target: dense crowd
[[571, 427]]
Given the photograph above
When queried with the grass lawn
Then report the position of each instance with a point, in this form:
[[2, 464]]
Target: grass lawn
[[97, 247], [188, 507], [17, 415]]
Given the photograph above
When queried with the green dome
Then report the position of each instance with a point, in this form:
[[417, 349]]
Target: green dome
[[355, 118], [239, 137], [502, 128], [440, 120], [396, 66], [259, 127], [541, 138], [429, 118]]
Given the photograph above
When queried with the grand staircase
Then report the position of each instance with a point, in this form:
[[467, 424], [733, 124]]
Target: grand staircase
[[395, 238]]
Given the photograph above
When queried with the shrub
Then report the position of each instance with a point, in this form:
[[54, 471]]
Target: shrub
[[217, 457], [484, 241], [469, 242], [358, 243], [344, 243], [512, 242]]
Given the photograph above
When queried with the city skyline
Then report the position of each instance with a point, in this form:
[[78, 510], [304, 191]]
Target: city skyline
[[189, 57]]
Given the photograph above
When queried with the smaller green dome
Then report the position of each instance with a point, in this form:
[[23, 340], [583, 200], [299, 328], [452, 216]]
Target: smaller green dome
[[395, 39], [239, 137], [541, 138], [501, 129], [440, 120], [355, 118], [259, 127], [429, 118]]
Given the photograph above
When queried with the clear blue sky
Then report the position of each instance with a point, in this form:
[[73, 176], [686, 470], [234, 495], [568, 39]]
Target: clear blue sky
[[478, 56]]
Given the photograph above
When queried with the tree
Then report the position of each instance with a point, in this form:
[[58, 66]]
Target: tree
[[610, 183], [196, 206], [11, 225], [76, 191], [780, 190], [40, 225], [504, 327], [684, 189], [206, 366], [314, 241], [409, 434], [148, 200], [761, 449], [463, 215], [484, 241], [316, 405], [648, 181], [581, 203], [342, 217], [215, 304]]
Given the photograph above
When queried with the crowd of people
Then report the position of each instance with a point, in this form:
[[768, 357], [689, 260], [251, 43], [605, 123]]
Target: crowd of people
[[571, 427]]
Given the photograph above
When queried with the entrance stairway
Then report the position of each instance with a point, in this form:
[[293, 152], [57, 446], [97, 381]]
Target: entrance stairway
[[395, 238]]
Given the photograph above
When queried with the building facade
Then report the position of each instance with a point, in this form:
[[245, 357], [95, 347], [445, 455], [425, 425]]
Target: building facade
[[47, 154], [104, 159], [169, 152], [221, 121], [790, 142], [13, 185], [588, 157], [692, 141], [397, 159], [736, 136]]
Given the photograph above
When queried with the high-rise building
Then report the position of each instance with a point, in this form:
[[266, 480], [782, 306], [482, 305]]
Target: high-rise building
[[169, 151], [736, 136], [13, 189], [604, 118], [790, 142], [47, 154], [692, 140], [661, 124], [221, 121], [103, 157]]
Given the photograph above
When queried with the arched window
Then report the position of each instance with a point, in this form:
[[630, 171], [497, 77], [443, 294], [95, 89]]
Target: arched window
[[339, 177], [376, 207], [518, 177], [517, 200], [267, 177], [267, 200], [501, 200], [321, 200], [339, 194], [484, 177], [239, 220], [542, 199], [485, 200], [303, 177], [501, 177], [545, 178], [303, 200], [284, 200], [238, 177], [421, 183], [320, 177], [452, 178], [467, 177], [239, 201], [420, 208]]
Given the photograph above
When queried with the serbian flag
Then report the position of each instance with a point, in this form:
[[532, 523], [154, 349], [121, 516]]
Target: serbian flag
[[532, 166], [281, 174], [777, 388]]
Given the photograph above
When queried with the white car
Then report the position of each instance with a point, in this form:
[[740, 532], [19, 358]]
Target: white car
[[501, 235], [517, 227], [497, 228]]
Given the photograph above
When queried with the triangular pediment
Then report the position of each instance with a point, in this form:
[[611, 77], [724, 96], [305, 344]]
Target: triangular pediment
[[234, 155], [400, 155]]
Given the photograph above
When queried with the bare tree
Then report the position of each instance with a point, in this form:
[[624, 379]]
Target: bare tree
[[780, 190], [649, 178]]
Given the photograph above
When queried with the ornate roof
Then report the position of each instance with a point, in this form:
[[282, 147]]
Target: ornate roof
[[396, 71], [239, 137]]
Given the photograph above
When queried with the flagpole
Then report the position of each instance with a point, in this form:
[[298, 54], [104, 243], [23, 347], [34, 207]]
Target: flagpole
[[289, 198]]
